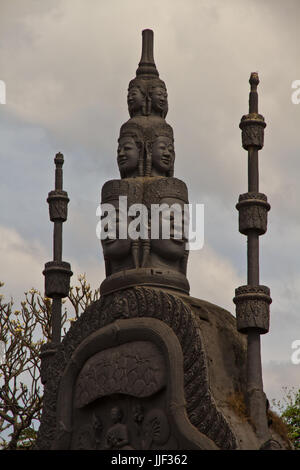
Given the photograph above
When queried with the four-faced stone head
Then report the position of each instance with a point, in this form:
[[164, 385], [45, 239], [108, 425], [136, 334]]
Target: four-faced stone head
[[147, 97]]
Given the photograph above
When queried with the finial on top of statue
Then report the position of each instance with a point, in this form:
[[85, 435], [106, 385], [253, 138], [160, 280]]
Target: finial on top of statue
[[147, 93], [147, 67]]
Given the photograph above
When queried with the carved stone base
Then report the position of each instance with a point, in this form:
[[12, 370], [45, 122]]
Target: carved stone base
[[124, 390], [183, 395]]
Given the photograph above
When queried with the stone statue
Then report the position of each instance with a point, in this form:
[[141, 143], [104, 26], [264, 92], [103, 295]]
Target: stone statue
[[146, 148], [147, 366], [117, 434]]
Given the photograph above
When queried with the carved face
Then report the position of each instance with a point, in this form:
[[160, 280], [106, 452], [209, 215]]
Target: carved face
[[172, 248], [135, 100], [163, 156], [113, 247], [116, 415], [159, 101], [128, 156]]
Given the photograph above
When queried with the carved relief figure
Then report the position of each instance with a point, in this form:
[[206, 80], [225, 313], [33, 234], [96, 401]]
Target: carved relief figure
[[152, 429], [156, 429], [138, 418], [85, 439], [97, 429], [117, 435]]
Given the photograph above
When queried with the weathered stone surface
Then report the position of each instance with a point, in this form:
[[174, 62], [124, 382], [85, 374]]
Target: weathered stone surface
[[253, 308], [58, 205], [226, 354], [147, 260], [214, 364], [253, 213], [252, 126], [134, 368], [48, 350], [146, 147], [149, 303], [57, 278]]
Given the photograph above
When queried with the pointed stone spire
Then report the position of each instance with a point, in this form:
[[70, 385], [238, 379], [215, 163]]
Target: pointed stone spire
[[147, 93], [147, 68]]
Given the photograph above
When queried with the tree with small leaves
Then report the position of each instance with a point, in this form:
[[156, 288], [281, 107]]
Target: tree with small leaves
[[22, 332], [289, 408]]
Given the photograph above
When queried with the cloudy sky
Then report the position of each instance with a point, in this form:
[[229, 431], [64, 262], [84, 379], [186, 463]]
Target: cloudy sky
[[67, 64]]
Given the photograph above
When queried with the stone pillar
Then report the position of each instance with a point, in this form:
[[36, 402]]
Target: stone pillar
[[57, 272], [253, 300]]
